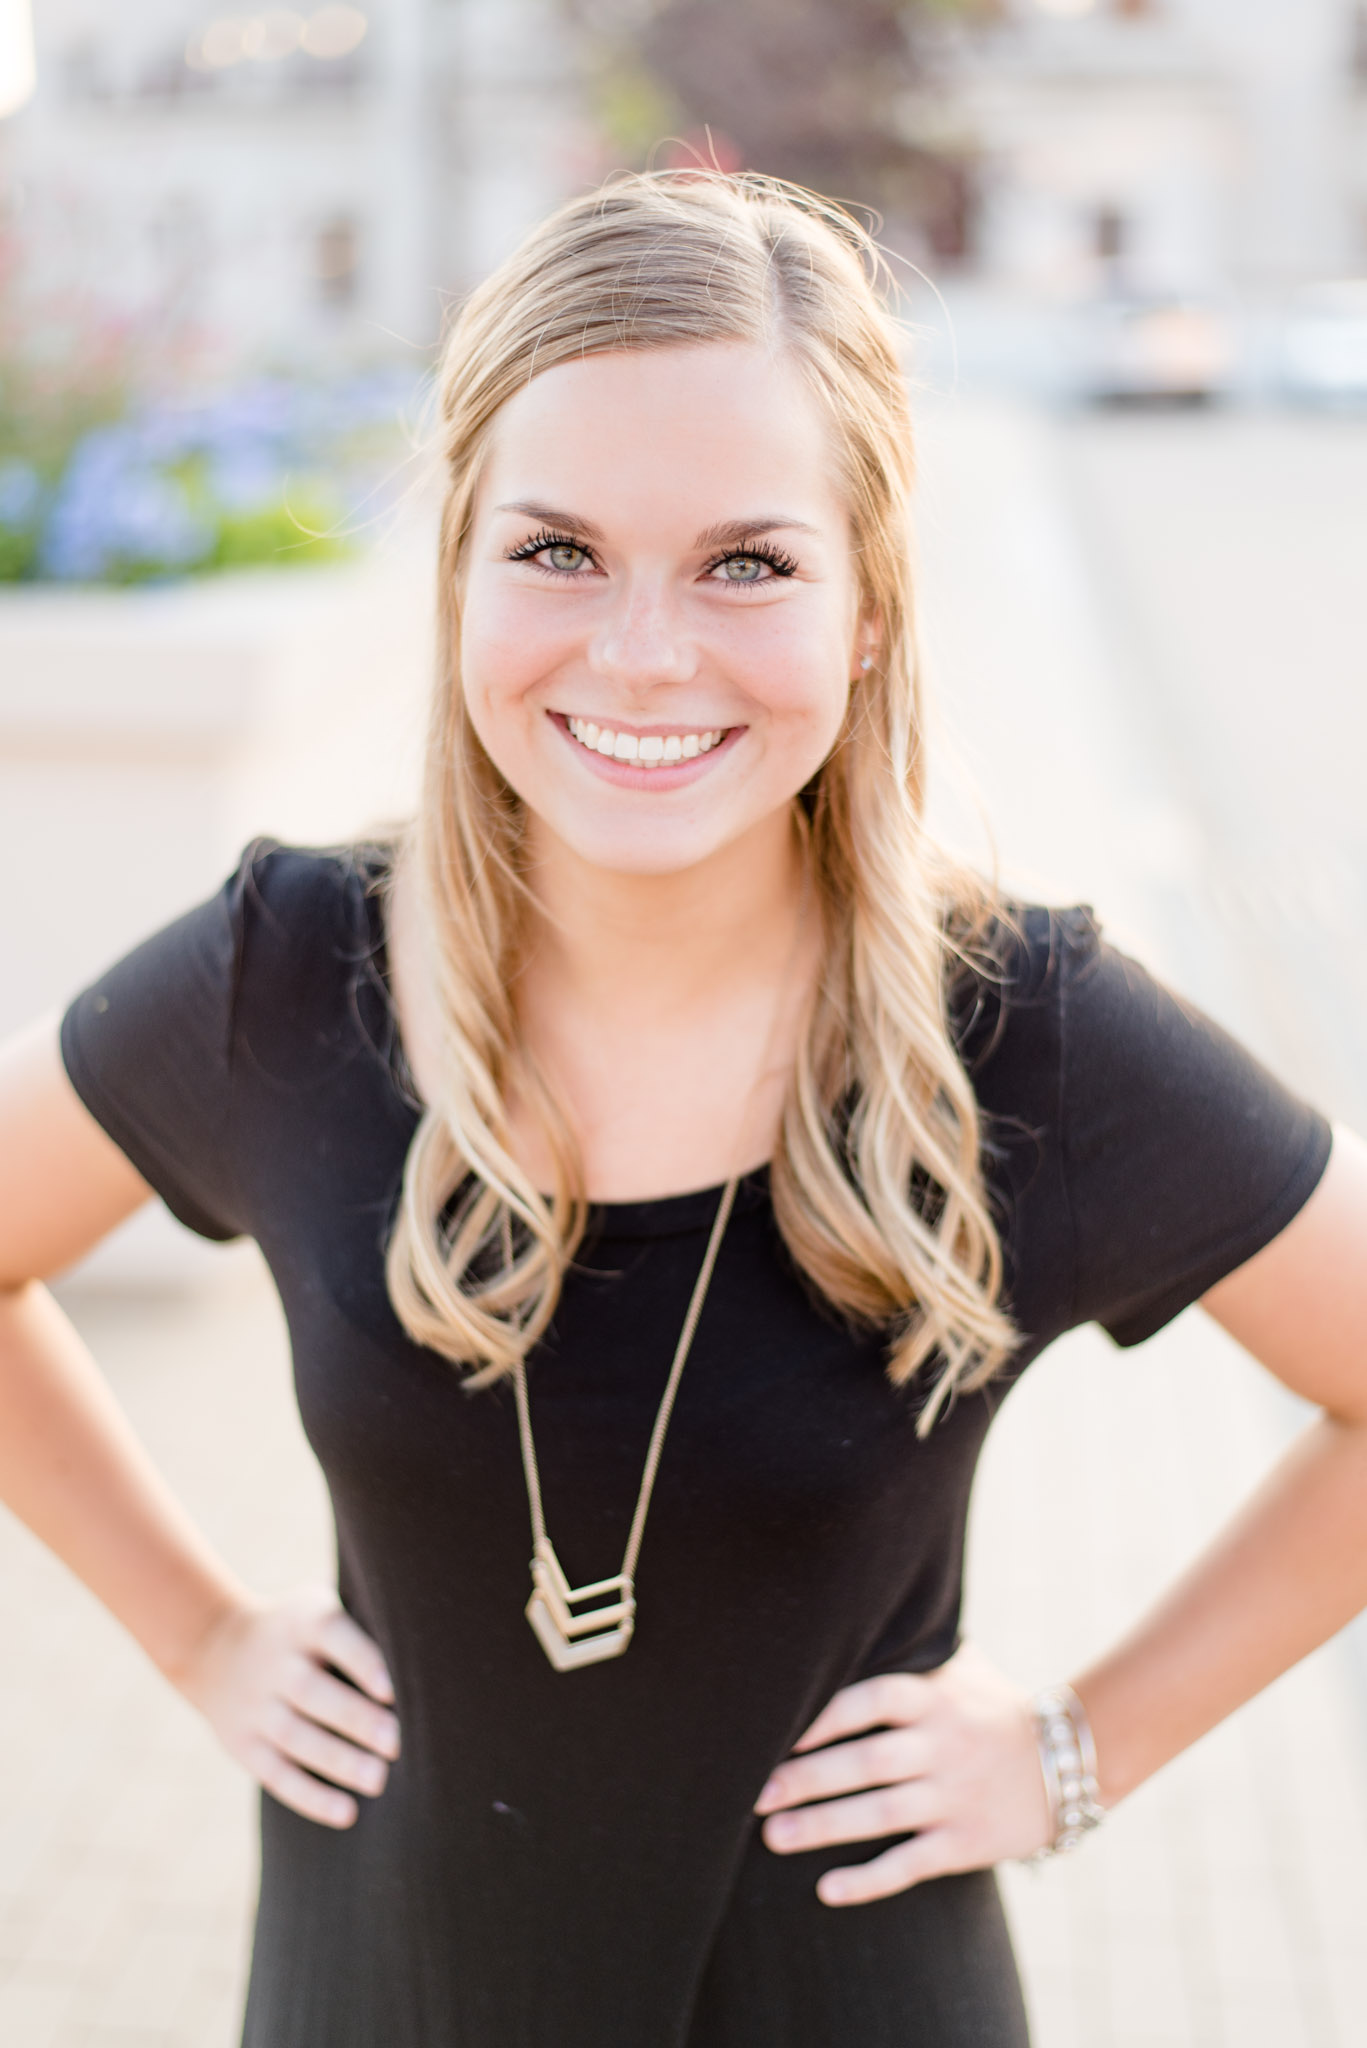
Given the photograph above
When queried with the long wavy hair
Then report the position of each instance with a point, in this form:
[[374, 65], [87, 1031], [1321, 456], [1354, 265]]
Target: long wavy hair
[[876, 1181]]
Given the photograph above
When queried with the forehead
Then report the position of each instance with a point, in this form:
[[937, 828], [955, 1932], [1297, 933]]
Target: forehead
[[681, 436]]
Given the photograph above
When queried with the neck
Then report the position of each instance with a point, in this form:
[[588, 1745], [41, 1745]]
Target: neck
[[642, 944]]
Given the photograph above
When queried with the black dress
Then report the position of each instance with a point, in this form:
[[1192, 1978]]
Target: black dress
[[570, 1860]]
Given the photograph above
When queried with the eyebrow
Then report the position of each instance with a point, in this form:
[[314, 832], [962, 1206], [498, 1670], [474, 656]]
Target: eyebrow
[[728, 533]]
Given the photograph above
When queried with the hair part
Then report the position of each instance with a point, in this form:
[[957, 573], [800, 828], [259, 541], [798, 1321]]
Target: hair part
[[876, 1181]]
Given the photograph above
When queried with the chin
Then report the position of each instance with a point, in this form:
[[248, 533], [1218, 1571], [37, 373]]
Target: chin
[[661, 848]]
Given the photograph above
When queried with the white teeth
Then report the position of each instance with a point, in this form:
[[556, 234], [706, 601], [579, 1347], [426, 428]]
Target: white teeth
[[654, 750]]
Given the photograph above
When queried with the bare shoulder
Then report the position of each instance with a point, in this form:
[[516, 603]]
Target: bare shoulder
[[64, 1183], [1300, 1304]]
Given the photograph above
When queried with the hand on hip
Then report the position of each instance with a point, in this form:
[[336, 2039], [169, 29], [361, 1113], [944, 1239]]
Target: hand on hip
[[951, 1760]]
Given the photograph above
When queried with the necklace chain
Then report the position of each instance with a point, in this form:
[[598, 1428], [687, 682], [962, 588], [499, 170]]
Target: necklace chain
[[595, 1633], [663, 1414]]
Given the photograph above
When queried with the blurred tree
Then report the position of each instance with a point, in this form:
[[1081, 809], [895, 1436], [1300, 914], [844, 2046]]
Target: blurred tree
[[813, 90]]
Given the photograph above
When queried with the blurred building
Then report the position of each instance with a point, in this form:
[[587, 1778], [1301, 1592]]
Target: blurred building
[[277, 184], [317, 179], [1165, 146]]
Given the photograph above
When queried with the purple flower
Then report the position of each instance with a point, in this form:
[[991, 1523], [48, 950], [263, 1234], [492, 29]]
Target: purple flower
[[157, 493], [116, 515]]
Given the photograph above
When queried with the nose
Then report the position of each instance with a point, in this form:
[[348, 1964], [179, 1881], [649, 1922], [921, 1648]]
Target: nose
[[643, 642]]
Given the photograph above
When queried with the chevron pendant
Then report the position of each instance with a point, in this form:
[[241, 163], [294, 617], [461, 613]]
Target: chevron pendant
[[589, 1637]]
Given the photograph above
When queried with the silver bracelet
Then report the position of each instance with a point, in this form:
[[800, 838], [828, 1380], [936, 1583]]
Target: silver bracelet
[[1067, 1757]]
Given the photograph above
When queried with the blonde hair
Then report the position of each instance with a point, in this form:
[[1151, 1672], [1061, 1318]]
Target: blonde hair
[[876, 1181]]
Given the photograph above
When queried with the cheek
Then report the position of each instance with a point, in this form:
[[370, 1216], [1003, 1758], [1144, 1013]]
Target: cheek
[[798, 674], [506, 647]]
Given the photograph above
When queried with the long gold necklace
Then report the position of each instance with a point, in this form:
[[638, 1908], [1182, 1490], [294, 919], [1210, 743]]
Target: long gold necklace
[[593, 1634]]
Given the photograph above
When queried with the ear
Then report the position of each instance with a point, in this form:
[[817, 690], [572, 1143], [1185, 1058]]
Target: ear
[[868, 639]]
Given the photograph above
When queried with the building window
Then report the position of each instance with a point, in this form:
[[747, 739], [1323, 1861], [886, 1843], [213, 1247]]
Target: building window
[[336, 265], [949, 213], [1358, 47], [1109, 234]]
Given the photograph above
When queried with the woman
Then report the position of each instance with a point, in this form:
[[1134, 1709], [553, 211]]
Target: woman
[[667, 1160]]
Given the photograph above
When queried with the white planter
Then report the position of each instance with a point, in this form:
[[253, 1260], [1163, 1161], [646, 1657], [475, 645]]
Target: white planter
[[146, 735]]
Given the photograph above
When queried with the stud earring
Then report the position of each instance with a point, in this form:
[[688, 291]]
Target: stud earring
[[865, 664]]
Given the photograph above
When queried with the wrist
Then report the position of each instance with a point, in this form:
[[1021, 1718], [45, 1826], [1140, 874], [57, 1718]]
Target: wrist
[[179, 1652], [1068, 1764], [1123, 1742]]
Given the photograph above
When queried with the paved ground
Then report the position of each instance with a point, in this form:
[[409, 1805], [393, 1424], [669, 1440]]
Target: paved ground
[[1228, 555], [1115, 607], [1223, 1907], [126, 1854]]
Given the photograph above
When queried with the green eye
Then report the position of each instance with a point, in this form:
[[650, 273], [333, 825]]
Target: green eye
[[565, 556], [742, 568]]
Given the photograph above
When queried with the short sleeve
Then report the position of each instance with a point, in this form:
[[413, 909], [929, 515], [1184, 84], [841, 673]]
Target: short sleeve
[[1182, 1154], [148, 1048]]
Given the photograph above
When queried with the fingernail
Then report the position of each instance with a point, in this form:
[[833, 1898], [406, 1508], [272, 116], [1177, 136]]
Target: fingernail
[[770, 1792], [831, 1890]]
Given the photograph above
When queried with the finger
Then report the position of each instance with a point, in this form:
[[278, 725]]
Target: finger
[[296, 1789], [882, 1759], [348, 1646], [334, 1704], [897, 1697], [896, 1870], [306, 1743], [889, 1811]]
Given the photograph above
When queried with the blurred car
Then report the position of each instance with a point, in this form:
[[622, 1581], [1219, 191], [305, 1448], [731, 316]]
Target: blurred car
[[1324, 343], [1155, 350]]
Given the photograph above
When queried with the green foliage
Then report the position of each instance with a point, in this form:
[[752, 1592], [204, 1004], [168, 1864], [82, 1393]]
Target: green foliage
[[630, 105], [279, 536], [18, 553], [44, 412], [273, 473]]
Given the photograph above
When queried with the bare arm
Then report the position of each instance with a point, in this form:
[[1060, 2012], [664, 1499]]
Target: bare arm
[[72, 1469], [1291, 1569], [953, 1753]]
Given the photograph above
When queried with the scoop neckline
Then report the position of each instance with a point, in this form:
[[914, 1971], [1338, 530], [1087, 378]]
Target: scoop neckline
[[652, 1216], [675, 1215]]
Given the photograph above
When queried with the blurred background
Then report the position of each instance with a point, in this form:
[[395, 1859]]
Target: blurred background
[[1130, 238]]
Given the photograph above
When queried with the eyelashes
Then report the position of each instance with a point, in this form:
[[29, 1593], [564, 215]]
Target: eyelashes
[[540, 542], [778, 559], [779, 562]]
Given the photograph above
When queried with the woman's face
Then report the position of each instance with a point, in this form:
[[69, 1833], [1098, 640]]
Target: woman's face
[[660, 616]]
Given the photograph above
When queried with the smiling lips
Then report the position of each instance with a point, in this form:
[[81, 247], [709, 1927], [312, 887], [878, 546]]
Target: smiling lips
[[650, 750]]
